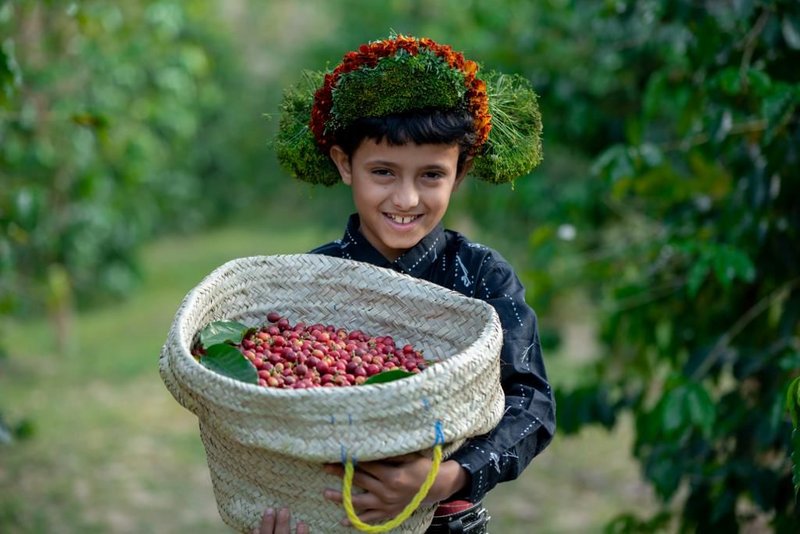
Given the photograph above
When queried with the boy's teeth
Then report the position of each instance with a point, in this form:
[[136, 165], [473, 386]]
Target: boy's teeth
[[402, 220]]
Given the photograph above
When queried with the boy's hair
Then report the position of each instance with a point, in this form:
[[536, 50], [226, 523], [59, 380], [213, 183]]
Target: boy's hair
[[421, 127]]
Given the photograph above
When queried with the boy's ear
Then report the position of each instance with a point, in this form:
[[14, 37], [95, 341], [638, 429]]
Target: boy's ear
[[464, 171], [342, 162]]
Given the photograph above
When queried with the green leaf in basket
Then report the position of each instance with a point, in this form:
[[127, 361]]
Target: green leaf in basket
[[222, 332], [387, 376], [228, 361]]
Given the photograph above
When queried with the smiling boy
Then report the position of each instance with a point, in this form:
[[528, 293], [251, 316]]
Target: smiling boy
[[402, 122]]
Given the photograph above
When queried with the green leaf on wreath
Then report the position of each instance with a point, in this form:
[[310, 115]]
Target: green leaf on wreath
[[222, 332], [228, 361], [387, 376]]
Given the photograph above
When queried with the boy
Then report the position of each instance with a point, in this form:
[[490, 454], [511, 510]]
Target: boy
[[402, 121]]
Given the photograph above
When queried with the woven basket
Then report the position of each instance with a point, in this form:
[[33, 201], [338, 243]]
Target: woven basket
[[265, 446]]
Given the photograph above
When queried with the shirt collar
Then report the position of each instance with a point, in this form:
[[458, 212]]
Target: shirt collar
[[414, 261], [357, 247]]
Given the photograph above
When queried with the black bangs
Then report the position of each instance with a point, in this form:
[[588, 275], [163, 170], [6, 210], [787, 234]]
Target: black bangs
[[419, 127]]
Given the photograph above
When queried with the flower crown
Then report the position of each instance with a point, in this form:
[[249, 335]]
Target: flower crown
[[403, 74]]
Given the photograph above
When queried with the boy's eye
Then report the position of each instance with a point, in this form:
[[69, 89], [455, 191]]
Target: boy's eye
[[382, 172], [433, 175]]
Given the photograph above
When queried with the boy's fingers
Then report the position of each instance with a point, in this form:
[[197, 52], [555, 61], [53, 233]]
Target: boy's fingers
[[267, 522], [282, 523], [362, 478], [401, 459], [367, 482], [333, 495], [382, 468], [360, 501], [272, 523], [375, 469]]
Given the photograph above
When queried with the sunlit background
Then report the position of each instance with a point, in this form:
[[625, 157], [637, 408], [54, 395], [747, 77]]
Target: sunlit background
[[658, 242]]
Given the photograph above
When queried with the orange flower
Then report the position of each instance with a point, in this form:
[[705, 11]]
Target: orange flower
[[470, 67]]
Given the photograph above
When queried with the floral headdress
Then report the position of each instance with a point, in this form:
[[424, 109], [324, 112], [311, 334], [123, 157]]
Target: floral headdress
[[403, 74]]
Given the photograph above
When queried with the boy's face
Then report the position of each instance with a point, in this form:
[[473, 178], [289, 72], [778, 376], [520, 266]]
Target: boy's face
[[400, 192]]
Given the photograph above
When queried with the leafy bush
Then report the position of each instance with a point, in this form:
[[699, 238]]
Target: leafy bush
[[696, 278], [113, 130]]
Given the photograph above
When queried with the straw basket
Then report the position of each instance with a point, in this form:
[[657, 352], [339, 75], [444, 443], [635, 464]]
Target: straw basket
[[266, 446]]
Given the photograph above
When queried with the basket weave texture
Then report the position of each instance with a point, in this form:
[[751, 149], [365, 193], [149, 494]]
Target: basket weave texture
[[265, 446]]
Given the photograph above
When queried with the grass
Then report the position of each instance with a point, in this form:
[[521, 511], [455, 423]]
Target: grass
[[113, 452]]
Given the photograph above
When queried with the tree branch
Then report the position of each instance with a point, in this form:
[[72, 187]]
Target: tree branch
[[724, 341], [750, 44]]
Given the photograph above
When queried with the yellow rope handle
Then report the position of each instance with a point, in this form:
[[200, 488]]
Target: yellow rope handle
[[347, 489]]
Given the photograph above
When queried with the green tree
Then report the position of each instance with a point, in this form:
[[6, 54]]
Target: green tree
[[112, 131], [693, 260]]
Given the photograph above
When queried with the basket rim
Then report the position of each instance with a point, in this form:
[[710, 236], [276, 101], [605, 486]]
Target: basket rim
[[180, 326]]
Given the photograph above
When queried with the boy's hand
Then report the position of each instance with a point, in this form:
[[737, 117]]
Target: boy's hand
[[390, 485], [279, 523]]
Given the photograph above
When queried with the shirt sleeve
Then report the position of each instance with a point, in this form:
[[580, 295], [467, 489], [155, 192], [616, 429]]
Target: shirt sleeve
[[528, 423]]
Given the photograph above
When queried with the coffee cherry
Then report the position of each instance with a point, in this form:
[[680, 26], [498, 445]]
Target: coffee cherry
[[307, 356]]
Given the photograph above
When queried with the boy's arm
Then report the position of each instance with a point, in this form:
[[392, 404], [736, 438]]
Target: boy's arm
[[528, 423]]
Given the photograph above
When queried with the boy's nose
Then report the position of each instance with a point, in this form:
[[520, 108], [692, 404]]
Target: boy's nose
[[405, 195]]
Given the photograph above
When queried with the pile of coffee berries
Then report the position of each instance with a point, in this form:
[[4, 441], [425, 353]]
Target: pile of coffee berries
[[306, 356]]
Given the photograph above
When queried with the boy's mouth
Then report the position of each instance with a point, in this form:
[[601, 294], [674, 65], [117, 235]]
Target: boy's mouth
[[402, 219]]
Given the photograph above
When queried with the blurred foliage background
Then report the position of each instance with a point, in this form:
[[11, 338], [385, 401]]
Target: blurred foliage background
[[666, 205]]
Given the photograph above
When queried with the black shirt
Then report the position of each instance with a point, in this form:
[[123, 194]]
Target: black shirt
[[448, 259]]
